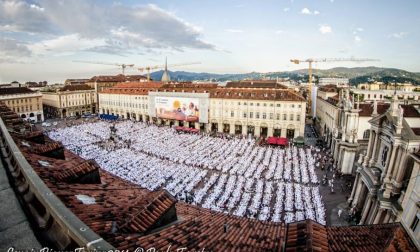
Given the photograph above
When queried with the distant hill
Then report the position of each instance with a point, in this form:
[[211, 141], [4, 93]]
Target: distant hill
[[356, 75]]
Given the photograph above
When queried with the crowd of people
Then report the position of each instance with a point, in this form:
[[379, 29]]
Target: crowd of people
[[231, 175]]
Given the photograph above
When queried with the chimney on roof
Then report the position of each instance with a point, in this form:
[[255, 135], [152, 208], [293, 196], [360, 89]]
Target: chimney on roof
[[225, 228]]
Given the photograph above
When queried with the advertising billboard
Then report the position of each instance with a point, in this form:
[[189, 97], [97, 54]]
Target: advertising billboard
[[178, 108]]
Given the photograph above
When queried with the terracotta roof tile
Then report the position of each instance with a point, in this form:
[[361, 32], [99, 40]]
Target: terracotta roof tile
[[255, 84], [366, 109], [129, 216]]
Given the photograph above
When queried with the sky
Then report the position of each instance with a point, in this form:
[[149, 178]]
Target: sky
[[44, 39]]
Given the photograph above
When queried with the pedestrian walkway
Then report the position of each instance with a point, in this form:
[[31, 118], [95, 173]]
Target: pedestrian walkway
[[15, 230]]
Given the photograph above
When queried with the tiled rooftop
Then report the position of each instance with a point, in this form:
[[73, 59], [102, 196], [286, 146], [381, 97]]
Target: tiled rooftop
[[240, 92], [129, 216], [117, 78], [75, 87], [15, 90], [385, 237], [366, 109], [255, 84]]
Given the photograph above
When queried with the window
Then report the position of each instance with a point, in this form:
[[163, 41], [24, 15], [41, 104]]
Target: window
[[299, 106], [384, 156], [278, 116], [264, 116], [244, 114], [257, 115], [278, 105], [258, 104], [232, 114], [293, 105], [265, 104], [415, 222], [271, 116], [251, 104], [366, 134], [284, 117], [239, 103], [250, 114], [291, 117]]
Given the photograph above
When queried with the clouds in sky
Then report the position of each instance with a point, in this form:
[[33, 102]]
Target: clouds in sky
[[84, 25], [307, 11], [356, 32], [324, 29], [398, 35], [10, 49], [234, 30]]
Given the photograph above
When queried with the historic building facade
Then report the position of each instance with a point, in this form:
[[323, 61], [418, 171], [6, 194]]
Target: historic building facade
[[343, 121], [411, 204], [102, 82], [70, 100], [383, 189], [24, 101], [235, 109]]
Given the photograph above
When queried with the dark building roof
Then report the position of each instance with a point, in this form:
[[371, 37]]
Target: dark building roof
[[411, 110], [117, 78], [366, 109], [256, 94], [75, 81], [15, 90], [75, 87], [329, 88], [384, 237], [306, 236], [142, 88], [255, 84]]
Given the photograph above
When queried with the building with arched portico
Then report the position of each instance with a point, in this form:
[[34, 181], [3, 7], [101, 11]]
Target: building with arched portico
[[70, 100], [24, 101], [258, 110]]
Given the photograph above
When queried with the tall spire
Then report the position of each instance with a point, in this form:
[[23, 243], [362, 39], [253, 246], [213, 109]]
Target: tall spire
[[165, 76]]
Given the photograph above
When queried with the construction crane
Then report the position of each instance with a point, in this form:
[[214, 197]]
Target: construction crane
[[148, 68], [311, 60], [123, 66]]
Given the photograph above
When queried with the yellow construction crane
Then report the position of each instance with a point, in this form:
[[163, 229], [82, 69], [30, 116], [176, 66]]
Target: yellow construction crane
[[311, 60], [123, 66], [148, 68]]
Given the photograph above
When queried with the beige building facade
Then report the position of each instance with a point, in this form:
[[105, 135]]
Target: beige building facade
[[69, 101], [25, 102], [241, 111]]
